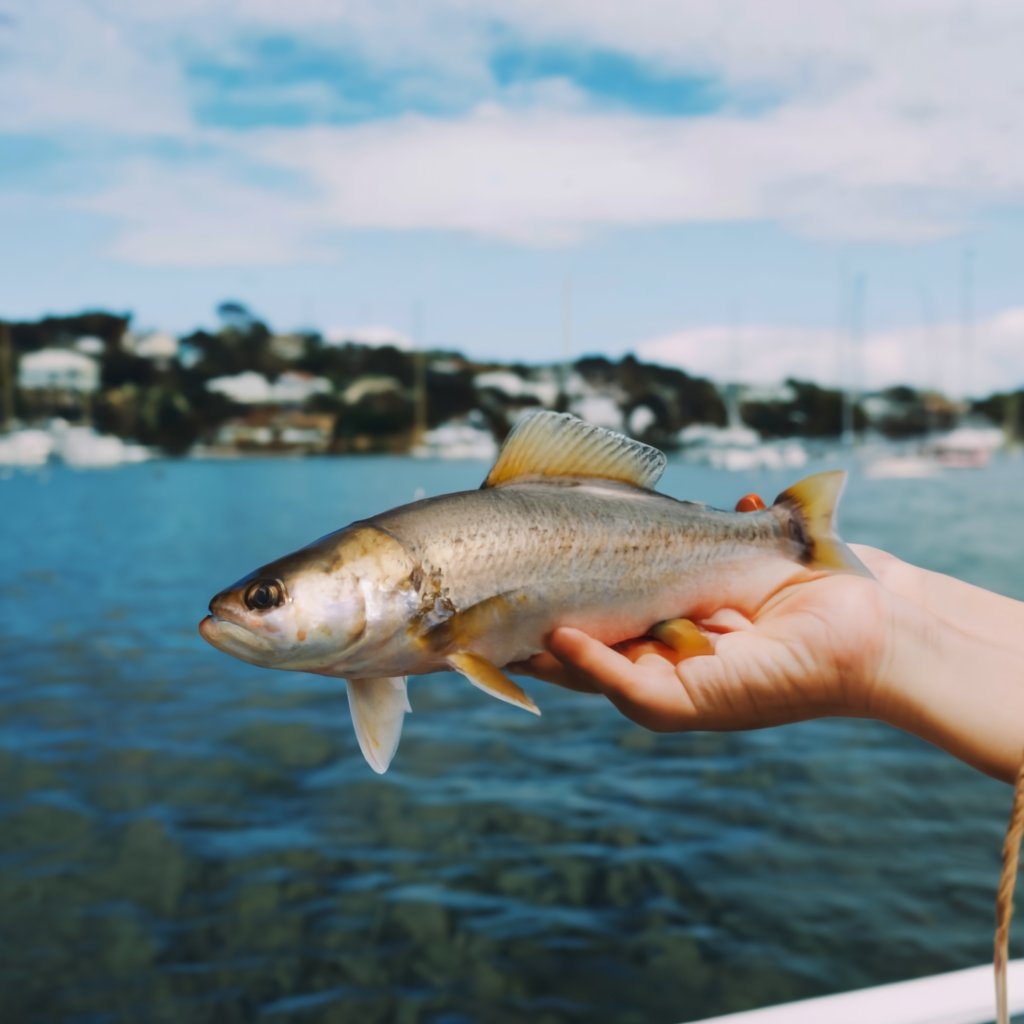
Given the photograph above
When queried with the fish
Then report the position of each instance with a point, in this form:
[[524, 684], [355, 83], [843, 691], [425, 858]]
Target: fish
[[566, 530]]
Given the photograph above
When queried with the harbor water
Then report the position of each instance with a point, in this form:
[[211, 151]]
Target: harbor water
[[184, 837]]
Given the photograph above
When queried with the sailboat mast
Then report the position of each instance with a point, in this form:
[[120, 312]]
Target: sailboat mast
[[967, 326], [6, 377], [852, 384], [564, 366], [419, 358]]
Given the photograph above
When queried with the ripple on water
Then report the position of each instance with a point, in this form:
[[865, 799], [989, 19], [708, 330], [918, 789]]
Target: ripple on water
[[184, 837]]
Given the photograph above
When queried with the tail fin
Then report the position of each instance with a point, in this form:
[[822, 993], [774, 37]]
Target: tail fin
[[812, 505]]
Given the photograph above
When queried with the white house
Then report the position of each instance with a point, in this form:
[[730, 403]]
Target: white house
[[251, 388], [59, 369], [248, 388], [90, 345], [371, 335], [368, 387], [294, 387], [159, 346], [289, 347], [510, 384]]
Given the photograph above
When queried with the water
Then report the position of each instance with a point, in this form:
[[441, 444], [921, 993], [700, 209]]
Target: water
[[185, 837]]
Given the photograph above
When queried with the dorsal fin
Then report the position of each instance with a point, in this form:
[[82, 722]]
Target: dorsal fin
[[557, 444]]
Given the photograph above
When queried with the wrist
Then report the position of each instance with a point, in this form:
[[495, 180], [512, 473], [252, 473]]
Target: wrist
[[945, 685]]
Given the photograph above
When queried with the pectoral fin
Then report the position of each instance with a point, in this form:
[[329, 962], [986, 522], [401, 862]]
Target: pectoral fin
[[489, 678], [378, 708]]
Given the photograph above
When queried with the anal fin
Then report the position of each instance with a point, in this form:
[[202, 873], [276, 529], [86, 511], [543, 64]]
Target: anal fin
[[489, 678], [378, 709]]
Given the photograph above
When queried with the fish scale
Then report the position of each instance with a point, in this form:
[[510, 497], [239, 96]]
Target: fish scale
[[570, 541]]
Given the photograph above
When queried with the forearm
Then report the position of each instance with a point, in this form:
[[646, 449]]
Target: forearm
[[978, 612], [956, 681]]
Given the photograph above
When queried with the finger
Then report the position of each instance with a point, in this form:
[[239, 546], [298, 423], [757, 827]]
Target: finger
[[726, 620], [636, 649], [748, 684], [649, 692], [549, 669]]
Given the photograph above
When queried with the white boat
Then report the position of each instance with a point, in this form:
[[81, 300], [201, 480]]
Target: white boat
[[457, 440], [739, 449], [959, 997], [902, 467], [969, 446], [26, 447], [84, 448]]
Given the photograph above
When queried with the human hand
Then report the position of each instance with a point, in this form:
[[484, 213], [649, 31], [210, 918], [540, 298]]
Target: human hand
[[921, 651], [812, 649]]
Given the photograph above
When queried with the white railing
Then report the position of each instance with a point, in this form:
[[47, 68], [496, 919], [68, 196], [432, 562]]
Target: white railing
[[960, 997]]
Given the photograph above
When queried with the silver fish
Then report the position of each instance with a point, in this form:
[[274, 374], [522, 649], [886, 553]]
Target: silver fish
[[566, 531]]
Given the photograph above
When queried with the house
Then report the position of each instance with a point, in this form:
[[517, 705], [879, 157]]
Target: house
[[293, 388], [516, 388], [371, 386], [270, 430], [90, 345], [371, 335], [247, 388], [158, 346], [296, 387], [59, 370], [289, 347]]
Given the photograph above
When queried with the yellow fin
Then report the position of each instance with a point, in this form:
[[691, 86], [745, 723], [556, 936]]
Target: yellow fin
[[683, 637], [557, 444], [489, 678], [477, 620], [811, 505]]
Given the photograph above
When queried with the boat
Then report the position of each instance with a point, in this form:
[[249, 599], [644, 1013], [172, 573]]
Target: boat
[[84, 448], [902, 467], [26, 447], [457, 440], [887, 461], [968, 446], [957, 997], [738, 449]]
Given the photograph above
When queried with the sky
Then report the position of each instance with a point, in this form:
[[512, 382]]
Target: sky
[[749, 190]]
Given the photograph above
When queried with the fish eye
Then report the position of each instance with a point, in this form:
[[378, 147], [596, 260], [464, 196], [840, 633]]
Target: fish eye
[[263, 595]]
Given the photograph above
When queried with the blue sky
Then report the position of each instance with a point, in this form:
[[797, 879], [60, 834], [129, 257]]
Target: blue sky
[[708, 179]]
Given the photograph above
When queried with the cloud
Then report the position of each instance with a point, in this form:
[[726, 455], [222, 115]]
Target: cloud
[[204, 217], [534, 175], [550, 176], [882, 121], [978, 359], [73, 68]]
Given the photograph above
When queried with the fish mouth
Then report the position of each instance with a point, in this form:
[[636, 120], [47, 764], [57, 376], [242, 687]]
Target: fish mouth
[[231, 638]]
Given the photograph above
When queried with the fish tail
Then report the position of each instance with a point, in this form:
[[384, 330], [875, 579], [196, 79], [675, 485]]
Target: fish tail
[[809, 510]]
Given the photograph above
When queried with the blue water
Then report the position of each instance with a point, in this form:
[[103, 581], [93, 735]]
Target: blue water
[[187, 838]]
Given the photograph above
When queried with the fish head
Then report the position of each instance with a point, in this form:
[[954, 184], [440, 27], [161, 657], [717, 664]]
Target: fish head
[[318, 608]]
